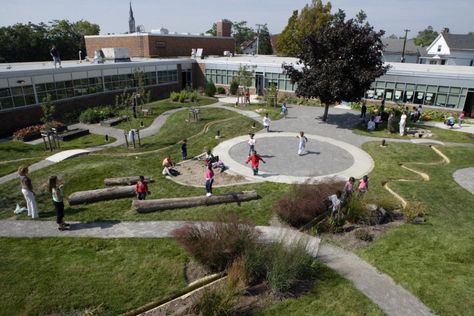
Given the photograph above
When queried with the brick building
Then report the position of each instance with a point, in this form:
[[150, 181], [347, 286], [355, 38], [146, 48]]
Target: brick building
[[150, 45]]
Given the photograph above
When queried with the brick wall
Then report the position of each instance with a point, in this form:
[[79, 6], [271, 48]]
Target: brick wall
[[23, 117], [161, 45]]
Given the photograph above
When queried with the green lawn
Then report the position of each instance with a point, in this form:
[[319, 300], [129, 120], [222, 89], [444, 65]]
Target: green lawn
[[15, 153], [158, 108], [262, 109], [331, 295], [85, 276], [434, 261], [438, 133]]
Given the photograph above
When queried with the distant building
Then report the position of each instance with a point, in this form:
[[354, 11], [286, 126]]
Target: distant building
[[393, 50], [249, 47], [131, 21], [450, 49]]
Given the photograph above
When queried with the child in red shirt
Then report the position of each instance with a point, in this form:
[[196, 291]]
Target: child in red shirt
[[209, 179], [255, 159], [141, 188]]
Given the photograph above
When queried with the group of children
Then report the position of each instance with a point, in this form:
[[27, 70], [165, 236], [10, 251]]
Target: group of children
[[338, 199]]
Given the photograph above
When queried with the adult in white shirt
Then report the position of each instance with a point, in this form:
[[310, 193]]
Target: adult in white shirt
[[403, 122]]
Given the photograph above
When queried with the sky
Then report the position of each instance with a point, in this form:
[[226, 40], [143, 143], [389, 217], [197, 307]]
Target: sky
[[197, 16]]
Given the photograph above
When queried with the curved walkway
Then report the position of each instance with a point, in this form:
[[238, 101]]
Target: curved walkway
[[465, 178], [378, 287]]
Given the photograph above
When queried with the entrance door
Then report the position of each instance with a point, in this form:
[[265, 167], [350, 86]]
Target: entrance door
[[259, 83], [469, 105]]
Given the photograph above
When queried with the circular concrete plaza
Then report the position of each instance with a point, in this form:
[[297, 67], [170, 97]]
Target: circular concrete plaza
[[324, 158]]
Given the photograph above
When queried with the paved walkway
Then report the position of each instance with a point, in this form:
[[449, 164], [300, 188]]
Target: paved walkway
[[466, 128], [378, 287], [465, 178], [325, 158]]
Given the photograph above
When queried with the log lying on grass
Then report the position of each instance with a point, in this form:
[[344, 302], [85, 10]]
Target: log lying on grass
[[145, 206], [125, 180], [91, 196]]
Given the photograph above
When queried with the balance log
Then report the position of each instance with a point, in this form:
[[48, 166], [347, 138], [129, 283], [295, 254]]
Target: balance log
[[106, 194], [145, 206], [125, 180]]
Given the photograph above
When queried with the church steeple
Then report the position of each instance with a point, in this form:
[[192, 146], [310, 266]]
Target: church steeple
[[131, 21]]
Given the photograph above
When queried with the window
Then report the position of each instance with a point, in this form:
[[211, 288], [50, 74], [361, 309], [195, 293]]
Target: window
[[439, 48], [471, 63]]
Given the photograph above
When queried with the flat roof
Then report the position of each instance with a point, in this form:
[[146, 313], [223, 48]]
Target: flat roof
[[159, 34], [9, 69]]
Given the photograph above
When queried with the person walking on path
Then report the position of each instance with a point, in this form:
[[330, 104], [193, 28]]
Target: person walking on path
[[28, 193], [184, 149], [403, 122], [57, 194], [56, 58], [141, 189], [363, 110], [461, 119], [255, 159], [363, 186], [302, 143], [209, 175], [266, 122], [251, 143], [284, 110]]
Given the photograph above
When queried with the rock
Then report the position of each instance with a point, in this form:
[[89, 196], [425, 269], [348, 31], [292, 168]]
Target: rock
[[419, 220], [376, 215]]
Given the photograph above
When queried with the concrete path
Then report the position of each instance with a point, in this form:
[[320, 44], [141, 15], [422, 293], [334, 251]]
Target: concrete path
[[378, 287], [465, 178], [466, 128]]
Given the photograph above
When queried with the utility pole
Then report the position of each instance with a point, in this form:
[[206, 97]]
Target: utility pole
[[404, 45], [258, 35]]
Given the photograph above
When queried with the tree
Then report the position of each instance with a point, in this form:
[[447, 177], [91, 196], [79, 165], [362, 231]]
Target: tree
[[32, 42], [212, 30], [312, 16], [244, 77], [210, 88], [286, 45], [242, 33], [426, 37], [264, 41], [339, 61], [48, 109]]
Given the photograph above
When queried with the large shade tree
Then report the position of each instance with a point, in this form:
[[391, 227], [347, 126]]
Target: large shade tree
[[339, 61]]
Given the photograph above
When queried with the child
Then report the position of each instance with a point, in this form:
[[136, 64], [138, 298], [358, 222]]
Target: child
[[57, 194], [184, 149], [251, 143], [302, 143], [28, 193], [141, 189], [348, 189], [255, 159], [461, 119], [450, 120], [209, 179], [284, 110], [363, 185], [335, 202], [266, 122]]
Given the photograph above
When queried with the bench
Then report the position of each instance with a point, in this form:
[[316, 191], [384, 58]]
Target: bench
[[114, 121], [71, 134]]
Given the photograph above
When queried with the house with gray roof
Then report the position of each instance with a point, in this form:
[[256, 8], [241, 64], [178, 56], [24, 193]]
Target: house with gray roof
[[450, 49], [393, 50]]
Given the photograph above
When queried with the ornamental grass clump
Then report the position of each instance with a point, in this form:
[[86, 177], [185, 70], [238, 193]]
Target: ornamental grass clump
[[304, 202], [217, 245]]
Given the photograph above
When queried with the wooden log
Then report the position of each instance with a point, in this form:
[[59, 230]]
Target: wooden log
[[145, 206], [106, 194], [125, 181]]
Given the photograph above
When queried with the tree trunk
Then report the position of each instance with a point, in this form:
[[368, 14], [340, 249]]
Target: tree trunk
[[125, 181], [101, 195], [326, 110], [145, 206]]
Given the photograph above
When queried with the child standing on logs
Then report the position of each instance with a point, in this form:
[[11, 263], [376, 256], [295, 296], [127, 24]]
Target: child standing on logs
[[57, 193], [255, 159], [141, 188], [209, 179]]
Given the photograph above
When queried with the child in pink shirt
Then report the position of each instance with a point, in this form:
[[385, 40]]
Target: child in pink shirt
[[363, 185], [209, 179]]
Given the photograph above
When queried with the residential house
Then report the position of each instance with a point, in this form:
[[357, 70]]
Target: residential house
[[451, 49]]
